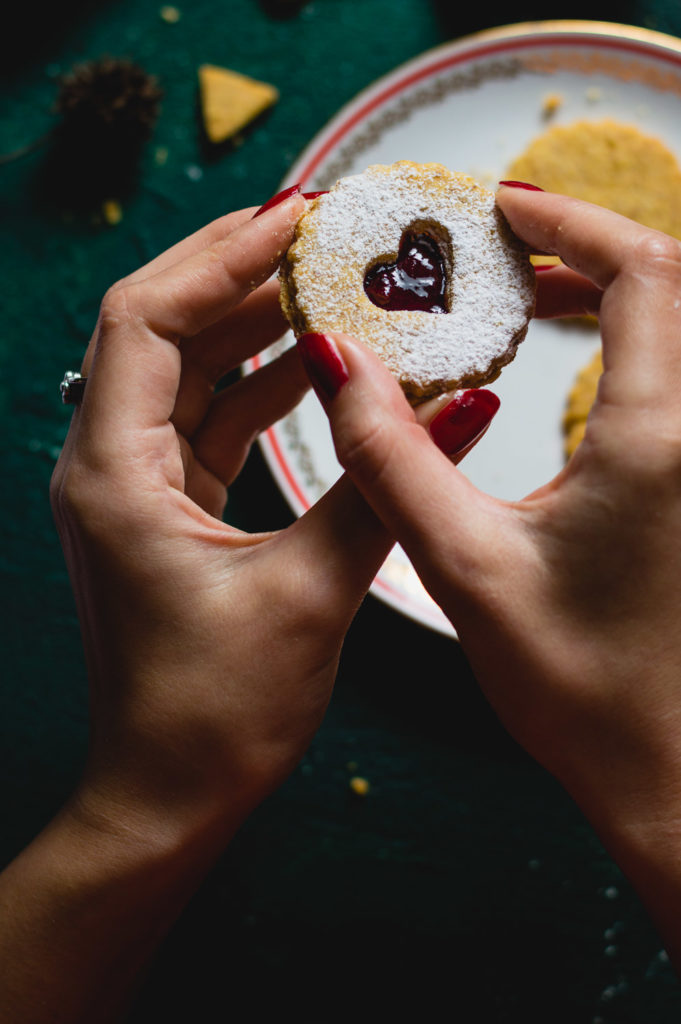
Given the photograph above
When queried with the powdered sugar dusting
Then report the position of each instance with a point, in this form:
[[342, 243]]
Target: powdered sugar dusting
[[361, 222]]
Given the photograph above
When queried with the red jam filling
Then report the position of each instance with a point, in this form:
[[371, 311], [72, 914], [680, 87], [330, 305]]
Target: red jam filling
[[417, 280]]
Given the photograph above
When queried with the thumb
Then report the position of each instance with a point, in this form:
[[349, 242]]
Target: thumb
[[388, 450]]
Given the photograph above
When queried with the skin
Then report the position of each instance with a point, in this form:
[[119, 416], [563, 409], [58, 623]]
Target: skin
[[568, 602], [211, 652]]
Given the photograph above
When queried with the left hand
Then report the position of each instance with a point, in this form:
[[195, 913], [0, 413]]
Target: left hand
[[211, 652]]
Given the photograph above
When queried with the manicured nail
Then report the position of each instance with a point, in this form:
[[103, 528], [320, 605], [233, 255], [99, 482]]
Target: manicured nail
[[313, 195], [279, 198], [538, 267], [522, 184], [464, 420], [323, 365]]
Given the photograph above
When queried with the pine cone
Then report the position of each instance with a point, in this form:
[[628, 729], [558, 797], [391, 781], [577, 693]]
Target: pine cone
[[110, 101]]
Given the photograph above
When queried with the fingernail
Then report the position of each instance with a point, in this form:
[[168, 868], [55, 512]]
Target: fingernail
[[314, 195], [538, 267], [522, 184], [323, 365], [279, 198], [463, 421]]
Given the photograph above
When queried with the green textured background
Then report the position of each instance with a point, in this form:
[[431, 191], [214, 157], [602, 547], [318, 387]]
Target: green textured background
[[465, 878]]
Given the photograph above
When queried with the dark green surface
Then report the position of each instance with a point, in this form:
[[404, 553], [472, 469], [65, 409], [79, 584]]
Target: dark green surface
[[466, 877]]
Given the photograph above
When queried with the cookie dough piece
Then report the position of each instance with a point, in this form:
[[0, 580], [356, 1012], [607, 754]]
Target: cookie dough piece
[[230, 101]]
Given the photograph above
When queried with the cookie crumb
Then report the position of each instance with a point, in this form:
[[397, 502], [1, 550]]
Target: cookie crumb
[[112, 211], [230, 101], [552, 102], [359, 785]]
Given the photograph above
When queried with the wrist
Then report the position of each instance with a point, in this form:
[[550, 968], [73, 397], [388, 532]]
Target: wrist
[[649, 854], [98, 888], [176, 826], [634, 806]]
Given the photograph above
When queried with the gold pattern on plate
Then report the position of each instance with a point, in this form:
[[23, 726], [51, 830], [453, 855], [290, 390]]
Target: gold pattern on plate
[[624, 69], [402, 109]]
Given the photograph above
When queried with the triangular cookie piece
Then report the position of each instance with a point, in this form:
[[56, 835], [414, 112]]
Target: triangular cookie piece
[[230, 101]]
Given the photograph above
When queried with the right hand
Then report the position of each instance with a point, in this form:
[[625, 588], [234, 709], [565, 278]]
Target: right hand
[[568, 602]]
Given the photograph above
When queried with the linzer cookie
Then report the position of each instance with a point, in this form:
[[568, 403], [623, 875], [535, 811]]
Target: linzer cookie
[[418, 262]]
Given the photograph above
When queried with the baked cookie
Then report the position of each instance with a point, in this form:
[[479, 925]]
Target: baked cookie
[[580, 398], [419, 263], [608, 163], [230, 101], [617, 166]]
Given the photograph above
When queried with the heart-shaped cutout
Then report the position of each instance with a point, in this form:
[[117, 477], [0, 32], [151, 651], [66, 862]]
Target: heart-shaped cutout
[[417, 280]]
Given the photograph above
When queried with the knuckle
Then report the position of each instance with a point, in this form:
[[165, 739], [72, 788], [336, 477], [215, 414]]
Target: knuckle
[[127, 302], [95, 503], [115, 311], [658, 464], [645, 460], [657, 254], [115, 304], [56, 484], [365, 453], [128, 305], [72, 495]]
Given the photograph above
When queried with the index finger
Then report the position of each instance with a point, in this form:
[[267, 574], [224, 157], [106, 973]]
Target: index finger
[[589, 239], [638, 269], [136, 366]]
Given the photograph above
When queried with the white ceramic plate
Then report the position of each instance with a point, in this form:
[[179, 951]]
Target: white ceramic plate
[[473, 105]]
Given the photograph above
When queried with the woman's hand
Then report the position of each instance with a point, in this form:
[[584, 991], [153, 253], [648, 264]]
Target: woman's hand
[[568, 602], [211, 652]]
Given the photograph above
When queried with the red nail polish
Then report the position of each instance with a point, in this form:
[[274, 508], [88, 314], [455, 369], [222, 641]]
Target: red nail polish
[[462, 422], [279, 198], [323, 365], [313, 195], [538, 267], [522, 184]]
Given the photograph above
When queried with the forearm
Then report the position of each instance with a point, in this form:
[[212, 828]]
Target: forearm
[[84, 906]]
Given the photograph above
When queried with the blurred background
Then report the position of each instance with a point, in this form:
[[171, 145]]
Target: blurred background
[[462, 884]]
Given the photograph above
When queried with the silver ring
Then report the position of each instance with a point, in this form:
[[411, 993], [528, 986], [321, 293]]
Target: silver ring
[[72, 387]]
